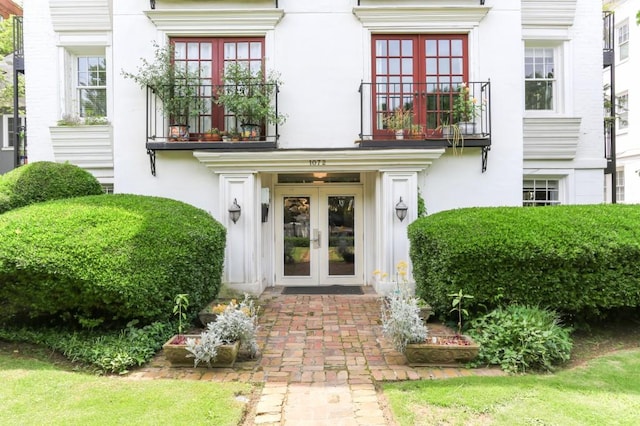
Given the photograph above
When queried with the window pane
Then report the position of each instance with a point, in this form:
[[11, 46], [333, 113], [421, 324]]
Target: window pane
[[381, 66], [407, 47], [381, 48], [538, 95], [443, 48], [456, 66], [394, 47], [256, 50], [394, 66], [443, 66], [243, 50], [456, 47], [193, 50], [205, 51], [432, 66], [431, 48], [229, 51], [407, 66], [180, 50]]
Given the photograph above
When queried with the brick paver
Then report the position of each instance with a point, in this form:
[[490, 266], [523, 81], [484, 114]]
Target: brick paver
[[320, 357]]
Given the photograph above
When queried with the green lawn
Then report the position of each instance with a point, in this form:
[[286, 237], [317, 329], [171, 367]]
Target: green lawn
[[37, 392], [606, 391]]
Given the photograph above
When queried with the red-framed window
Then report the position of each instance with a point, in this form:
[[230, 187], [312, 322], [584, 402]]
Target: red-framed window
[[421, 73], [208, 56]]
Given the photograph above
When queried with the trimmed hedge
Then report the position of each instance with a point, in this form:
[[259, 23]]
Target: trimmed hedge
[[42, 181], [108, 257], [579, 259]]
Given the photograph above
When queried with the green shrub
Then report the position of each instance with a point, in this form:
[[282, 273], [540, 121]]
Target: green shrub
[[519, 338], [42, 181], [580, 259], [106, 258], [105, 351]]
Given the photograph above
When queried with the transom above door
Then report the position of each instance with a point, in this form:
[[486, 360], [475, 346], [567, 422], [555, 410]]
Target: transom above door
[[318, 235]]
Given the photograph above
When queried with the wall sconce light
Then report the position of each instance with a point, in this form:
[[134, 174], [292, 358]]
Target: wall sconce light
[[401, 210], [234, 211], [152, 3]]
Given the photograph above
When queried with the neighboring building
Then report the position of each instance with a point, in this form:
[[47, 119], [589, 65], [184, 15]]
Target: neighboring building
[[8, 8], [319, 196], [7, 138], [625, 34]]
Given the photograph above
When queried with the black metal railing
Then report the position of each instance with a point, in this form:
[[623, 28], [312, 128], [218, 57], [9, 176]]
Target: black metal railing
[[608, 38], [425, 111], [195, 107]]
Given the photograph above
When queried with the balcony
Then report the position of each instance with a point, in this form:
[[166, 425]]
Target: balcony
[[432, 115], [189, 129]]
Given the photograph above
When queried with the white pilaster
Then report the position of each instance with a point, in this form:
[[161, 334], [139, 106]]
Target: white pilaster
[[394, 245], [243, 242]]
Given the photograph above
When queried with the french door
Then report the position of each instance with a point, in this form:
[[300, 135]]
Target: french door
[[318, 235], [417, 73]]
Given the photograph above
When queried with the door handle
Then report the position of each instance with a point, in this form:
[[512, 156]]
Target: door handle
[[316, 237]]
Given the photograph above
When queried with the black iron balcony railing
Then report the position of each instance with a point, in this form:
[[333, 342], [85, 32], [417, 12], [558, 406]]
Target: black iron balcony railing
[[430, 115], [188, 117], [608, 38]]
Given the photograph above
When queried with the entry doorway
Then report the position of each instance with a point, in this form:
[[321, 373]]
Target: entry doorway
[[319, 235]]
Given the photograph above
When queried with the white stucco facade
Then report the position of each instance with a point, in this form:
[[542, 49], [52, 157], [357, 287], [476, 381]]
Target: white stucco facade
[[627, 130], [323, 51]]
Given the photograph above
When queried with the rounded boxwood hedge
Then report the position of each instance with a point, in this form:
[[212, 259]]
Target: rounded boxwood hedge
[[578, 259], [42, 181], [108, 257]]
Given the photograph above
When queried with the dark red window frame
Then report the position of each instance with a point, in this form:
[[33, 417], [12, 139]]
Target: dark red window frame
[[213, 78], [417, 71]]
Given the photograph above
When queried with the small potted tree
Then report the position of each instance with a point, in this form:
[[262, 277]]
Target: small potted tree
[[398, 121], [176, 86], [249, 95]]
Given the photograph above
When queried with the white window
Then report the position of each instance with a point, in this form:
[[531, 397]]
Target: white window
[[623, 40], [85, 75], [8, 136], [540, 78], [622, 110], [107, 188], [91, 86], [540, 192], [620, 185]]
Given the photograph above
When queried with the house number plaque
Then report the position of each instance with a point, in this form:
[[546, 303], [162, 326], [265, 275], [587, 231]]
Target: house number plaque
[[317, 162]]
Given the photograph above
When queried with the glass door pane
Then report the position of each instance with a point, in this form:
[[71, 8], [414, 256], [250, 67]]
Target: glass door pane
[[341, 256], [296, 232]]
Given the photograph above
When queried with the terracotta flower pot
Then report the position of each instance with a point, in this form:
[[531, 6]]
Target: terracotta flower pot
[[442, 350]]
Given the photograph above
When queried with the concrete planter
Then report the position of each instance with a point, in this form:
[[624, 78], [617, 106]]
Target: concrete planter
[[176, 353], [442, 350]]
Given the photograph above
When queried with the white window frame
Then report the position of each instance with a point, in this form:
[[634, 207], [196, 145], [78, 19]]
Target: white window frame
[[622, 111], [79, 88], [620, 185], [69, 100], [558, 105], [622, 34], [7, 143], [543, 182]]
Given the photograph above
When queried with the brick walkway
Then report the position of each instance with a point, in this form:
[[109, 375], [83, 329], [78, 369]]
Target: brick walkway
[[320, 359]]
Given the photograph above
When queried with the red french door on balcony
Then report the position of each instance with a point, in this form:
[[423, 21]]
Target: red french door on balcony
[[420, 73], [208, 56]]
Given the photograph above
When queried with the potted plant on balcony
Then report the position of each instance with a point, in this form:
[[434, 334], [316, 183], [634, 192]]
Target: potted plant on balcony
[[212, 135], [398, 121], [249, 95], [177, 87], [465, 110]]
